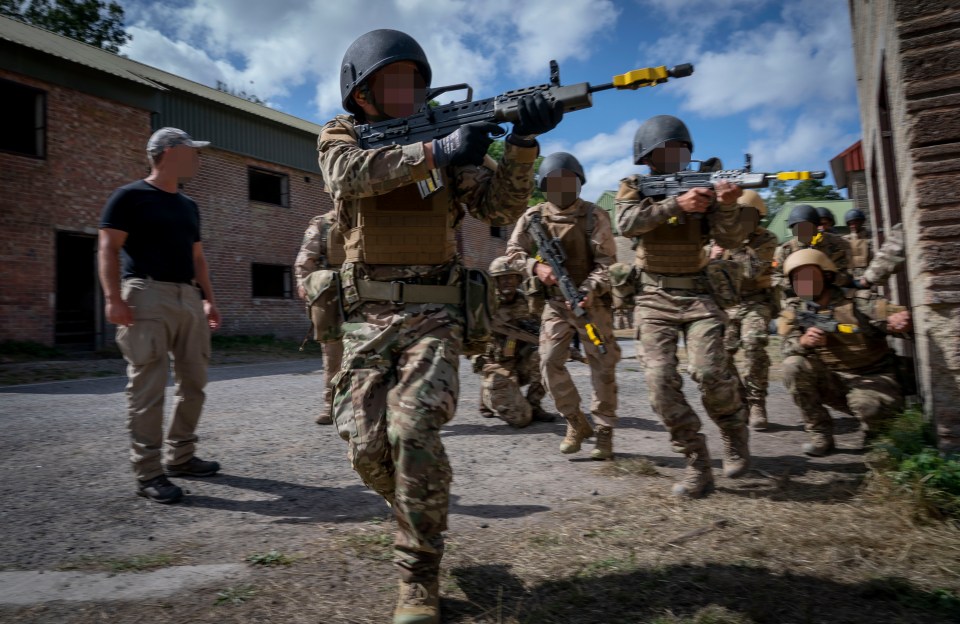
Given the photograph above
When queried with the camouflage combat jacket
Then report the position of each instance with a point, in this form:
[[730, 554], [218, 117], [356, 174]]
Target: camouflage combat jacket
[[314, 254], [835, 247], [755, 255], [517, 314], [494, 192]]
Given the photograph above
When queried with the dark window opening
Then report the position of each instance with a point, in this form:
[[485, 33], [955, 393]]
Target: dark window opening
[[495, 231], [269, 187], [271, 280], [78, 301], [25, 122]]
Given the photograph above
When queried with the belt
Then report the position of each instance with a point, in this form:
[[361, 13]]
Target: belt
[[401, 292], [696, 282]]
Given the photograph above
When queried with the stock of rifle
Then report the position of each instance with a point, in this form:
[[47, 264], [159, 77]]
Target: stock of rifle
[[436, 122], [550, 251]]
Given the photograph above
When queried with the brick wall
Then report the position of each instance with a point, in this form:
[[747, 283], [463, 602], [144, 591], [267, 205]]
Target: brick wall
[[93, 146], [907, 52], [477, 247]]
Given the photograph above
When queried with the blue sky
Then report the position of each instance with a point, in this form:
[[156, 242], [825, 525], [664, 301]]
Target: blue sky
[[773, 77]]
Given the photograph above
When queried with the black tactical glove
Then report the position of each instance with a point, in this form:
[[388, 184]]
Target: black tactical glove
[[467, 145], [537, 115]]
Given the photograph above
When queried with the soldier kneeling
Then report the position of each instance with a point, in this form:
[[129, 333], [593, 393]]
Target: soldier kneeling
[[511, 360], [835, 350]]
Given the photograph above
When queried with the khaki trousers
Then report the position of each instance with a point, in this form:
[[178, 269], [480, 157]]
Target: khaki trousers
[[168, 320]]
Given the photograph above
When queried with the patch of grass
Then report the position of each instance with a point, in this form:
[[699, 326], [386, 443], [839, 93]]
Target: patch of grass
[[235, 595], [272, 558], [906, 458], [267, 344], [712, 614], [609, 565], [28, 350], [376, 546], [900, 590], [545, 540], [632, 466]]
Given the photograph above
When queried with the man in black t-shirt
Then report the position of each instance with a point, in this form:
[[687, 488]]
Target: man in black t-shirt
[[163, 305]]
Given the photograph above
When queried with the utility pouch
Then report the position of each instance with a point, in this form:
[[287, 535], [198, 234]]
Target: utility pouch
[[325, 305], [536, 294], [724, 278], [623, 285], [479, 303]]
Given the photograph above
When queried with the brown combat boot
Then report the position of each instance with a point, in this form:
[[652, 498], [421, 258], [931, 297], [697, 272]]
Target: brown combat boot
[[736, 451], [698, 479], [419, 603], [486, 412], [758, 417], [326, 416], [578, 430], [820, 444], [604, 447], [539, 414]]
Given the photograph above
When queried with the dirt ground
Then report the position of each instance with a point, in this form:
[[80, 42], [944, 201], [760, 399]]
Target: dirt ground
[[288, 533]]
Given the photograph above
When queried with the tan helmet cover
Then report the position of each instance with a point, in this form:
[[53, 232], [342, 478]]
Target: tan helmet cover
[[804, 257], [502, 266], [752, 198]]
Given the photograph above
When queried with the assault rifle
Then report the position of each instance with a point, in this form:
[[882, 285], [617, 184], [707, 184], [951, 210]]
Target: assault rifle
[[808, 316], [522, 333], [439, 121], [550, 251]]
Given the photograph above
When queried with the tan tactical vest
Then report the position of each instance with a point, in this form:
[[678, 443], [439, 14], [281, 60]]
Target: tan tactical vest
[[402, 228], [333, 243], [860, 252], [571, 229], [673, 248], [852, 351]]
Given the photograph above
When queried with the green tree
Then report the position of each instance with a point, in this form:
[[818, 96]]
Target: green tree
[[94, 22], [495, 151], [805, 191]]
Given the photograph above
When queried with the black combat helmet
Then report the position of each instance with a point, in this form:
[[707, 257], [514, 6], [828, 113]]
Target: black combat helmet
[[374, 50], [801, 213], [656, 131], [559, 160], [825, 213], [854, 214]]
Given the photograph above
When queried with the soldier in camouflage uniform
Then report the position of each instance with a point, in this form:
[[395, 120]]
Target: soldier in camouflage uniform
[[675, 298], [804, 221], [622, 289], [835, 350], [861, 244], [322, 248], [511, 360], [888, 260], [402, 287], [586, 234], [750, 319]]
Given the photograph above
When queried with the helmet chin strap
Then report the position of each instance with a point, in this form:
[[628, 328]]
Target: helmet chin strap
[[371, 99]]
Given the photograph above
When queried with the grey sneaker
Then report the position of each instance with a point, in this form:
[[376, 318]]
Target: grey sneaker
[[159, 489], [194, 467]]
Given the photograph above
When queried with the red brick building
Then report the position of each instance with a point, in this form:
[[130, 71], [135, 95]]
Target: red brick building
[[76, 123]]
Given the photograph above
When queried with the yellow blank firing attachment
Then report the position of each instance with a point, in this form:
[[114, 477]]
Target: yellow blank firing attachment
[[645, 77], [795, 175], [847, 328], [595, 338]]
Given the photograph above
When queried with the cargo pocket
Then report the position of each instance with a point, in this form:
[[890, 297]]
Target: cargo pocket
[[140, 343], [360, 409]]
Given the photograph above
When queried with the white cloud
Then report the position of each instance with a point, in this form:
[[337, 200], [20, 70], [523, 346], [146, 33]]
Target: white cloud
[[272, 47], [808, 142], [606, 158]]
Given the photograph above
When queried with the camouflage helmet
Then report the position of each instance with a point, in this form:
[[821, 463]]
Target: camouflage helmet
[[502, 266], [656, 131], [804, 257], [801, 213], [854, 214], [620, 273], [826, 213], [556, 161], [752, 198], [374, 50]]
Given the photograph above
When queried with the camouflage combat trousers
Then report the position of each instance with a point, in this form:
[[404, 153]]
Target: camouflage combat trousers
[[501, 383], [661, 317], [558, 325], [332, 356], [749, 329], [872, 395], [397, 387]]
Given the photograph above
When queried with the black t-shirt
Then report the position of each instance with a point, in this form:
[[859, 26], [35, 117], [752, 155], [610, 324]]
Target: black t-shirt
[[161, 229]]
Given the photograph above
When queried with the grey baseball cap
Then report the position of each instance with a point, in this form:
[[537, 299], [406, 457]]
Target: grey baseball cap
[[171, 137]]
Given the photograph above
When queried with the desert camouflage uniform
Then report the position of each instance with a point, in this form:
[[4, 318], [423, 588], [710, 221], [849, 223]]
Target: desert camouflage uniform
[[889, 258], [861, 382], [750, 320], [508, 365], [314, 256], [664, 314], [859, 261], [835, 247], [398, 384], [559, 324]]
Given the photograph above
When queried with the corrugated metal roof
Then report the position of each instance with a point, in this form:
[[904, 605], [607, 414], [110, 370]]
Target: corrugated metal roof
[[101, 60], [847, 161]]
